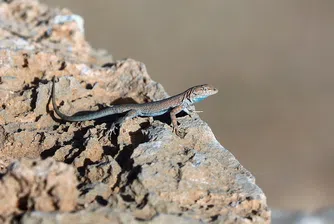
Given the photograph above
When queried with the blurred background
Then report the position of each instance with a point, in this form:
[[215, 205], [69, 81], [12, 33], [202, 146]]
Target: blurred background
[[273, 63]]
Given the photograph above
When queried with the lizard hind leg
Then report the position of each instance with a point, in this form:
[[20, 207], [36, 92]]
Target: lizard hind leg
[[130, 114]]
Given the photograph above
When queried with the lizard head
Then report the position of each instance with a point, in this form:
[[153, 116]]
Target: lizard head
[[199, 93]]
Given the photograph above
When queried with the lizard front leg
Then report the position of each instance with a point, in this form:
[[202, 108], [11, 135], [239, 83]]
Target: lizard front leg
[[173, 113]]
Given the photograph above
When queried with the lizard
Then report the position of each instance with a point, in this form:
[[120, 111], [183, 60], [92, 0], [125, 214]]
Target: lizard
[[172, 105]]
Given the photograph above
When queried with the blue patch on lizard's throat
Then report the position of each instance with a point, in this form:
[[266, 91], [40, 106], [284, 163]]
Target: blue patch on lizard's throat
[[199, 99]]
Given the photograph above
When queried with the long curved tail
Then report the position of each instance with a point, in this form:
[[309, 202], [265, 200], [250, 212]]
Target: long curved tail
[[58, 112], [89, 116]]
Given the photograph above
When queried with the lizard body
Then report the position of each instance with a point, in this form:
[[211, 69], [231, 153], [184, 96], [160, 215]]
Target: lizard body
[[172, 105]]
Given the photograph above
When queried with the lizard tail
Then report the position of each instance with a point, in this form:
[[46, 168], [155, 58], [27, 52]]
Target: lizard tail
[[92, 115], [58, 112]]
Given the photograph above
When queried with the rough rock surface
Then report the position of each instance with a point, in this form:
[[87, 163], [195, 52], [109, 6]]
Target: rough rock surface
[[44, 185], [83, 172]]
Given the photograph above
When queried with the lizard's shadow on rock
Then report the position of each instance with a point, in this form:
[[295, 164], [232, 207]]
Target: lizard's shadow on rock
[[165, 118], [124, 156], [127, 163]]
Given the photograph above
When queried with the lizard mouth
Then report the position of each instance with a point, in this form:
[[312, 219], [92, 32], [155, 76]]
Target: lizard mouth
[[212, 91]]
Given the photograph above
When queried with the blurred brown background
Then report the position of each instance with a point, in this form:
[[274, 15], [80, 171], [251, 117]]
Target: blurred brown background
[[273, 63]]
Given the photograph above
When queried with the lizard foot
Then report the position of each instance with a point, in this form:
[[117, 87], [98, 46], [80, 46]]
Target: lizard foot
[[178, 132], [113, 129]]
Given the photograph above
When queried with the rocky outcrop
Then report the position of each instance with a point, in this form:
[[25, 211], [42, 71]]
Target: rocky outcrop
[[38, 185], [83, 172]]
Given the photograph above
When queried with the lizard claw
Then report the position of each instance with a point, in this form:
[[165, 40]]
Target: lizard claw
[[197, 111], [178, 132], [113, 128]]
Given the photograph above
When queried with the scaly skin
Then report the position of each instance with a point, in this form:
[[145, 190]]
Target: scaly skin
[[172, 105]]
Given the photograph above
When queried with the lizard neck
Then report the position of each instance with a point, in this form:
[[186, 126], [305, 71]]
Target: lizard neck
[[191, 98]]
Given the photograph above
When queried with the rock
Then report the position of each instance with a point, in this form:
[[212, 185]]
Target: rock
[[100, 216], [143, 173], [100, 180], [37, 185]]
